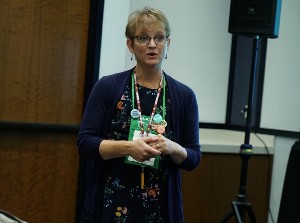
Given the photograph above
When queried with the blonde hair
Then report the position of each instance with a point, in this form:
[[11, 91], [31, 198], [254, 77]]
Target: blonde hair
[[146, 16]]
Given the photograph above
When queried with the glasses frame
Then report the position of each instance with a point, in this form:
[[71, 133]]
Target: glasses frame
[[154, 38]]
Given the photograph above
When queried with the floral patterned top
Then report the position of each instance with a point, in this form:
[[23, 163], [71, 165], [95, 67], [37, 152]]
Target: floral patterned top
[[124, 201]]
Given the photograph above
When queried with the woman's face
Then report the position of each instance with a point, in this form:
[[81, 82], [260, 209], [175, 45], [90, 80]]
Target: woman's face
[[153, 52]]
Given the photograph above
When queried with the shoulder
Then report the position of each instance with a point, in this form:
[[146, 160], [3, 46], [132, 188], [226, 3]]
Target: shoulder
[[117, 79], [116, 76], [111, 87], [178, 86]]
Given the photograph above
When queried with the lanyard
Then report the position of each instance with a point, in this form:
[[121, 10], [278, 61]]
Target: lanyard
[[135, 89]]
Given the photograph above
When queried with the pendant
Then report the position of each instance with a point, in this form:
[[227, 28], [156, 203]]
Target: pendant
[[142, 179], [163, 123], [135, 113], [157, 118], [160, 129]]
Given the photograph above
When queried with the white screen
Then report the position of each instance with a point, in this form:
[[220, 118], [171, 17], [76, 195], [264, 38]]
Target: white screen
[[281, 96], [199, 54]]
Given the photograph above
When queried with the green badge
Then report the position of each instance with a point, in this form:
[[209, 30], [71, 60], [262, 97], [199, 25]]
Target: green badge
[[135, 133]]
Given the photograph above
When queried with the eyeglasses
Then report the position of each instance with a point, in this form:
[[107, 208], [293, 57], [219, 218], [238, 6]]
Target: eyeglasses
[[159, 39]]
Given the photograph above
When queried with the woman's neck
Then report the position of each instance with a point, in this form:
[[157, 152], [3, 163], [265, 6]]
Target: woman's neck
[[148, 78]]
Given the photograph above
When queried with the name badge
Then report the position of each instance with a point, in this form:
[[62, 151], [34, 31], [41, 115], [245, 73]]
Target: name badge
[[135, 133]]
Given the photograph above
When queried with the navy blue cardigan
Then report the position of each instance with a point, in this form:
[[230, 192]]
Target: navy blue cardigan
[[98, 114]]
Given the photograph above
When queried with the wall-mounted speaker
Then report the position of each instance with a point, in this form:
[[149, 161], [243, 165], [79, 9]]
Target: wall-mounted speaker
[[255, 17]]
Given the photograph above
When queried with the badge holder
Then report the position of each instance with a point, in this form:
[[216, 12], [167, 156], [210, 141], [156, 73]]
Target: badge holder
[[134, 134]]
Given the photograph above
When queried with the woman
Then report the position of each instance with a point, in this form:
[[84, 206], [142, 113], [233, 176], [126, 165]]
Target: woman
[[139, 128]]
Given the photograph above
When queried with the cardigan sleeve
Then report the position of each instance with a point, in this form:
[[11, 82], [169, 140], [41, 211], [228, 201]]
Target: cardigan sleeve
[[190, 133], [98, 113], [92, 128], [185, 122]]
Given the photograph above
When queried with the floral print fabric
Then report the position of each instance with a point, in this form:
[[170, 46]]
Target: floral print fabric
[[123, 199]]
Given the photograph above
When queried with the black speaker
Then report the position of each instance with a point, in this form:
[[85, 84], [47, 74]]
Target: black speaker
[[255, 17]]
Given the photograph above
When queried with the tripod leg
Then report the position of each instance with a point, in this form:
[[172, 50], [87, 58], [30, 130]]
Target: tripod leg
[[237, 213], [227, 216], [251, 214]]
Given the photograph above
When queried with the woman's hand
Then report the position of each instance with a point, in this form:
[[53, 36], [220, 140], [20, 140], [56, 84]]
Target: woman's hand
[[141, 149], [168, 147]]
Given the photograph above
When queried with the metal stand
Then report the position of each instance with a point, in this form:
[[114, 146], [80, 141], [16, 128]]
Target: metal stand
[[241, 206]]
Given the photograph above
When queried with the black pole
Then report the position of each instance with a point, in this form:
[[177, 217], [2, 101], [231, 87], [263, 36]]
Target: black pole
[[255, 51], [246, 148], [241, 206]]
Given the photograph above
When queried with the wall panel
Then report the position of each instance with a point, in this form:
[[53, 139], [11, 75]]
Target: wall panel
[[42, 60], [209, 190], [43, 48], [39, 176]]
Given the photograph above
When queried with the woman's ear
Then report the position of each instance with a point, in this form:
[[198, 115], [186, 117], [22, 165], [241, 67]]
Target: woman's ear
[[129, 44], [168, 43]]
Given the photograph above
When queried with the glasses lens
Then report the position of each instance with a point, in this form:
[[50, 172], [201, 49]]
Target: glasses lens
[[160, 39], [143, 39]]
